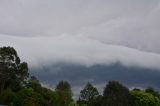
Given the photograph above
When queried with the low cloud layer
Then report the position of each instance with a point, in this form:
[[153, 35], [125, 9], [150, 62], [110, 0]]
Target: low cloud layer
[[86, 33], [72, 49], [99, 75], [128, 23], [124, 21]]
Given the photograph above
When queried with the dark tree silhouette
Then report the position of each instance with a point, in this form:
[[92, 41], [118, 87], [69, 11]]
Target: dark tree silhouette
[[88, 95], [64, 92], [153, 92], [115, 94], [13, 73]]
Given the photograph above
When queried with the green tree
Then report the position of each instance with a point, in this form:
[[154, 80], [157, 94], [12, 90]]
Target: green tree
[[13, 72], [34, 84], [73, 104], [9, 98], [50, 98], [153, 92], [64, 92], [115, 94], [28, 97], [88, 95], [142, 98]]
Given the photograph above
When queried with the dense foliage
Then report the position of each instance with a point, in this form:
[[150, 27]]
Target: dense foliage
[[64, 92], [142, 98], [18, 88], [88, 95], [13, 72], [115, 94]]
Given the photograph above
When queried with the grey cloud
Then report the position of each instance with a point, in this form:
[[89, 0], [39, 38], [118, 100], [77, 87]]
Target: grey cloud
[[76, 49], [51, 17], [99, 75], [126, 22], [87, 33]]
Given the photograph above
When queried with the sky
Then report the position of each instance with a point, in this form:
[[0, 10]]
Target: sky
[[85, 32]]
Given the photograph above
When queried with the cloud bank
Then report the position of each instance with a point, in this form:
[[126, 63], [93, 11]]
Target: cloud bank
[[47, 50], [128, 23], [87, 33]]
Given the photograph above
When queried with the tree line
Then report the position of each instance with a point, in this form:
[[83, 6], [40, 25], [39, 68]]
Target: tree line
[[19, 88]]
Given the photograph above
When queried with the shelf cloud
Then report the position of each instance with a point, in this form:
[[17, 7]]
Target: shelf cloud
[[84, 32], [47, 50], [129, 23]]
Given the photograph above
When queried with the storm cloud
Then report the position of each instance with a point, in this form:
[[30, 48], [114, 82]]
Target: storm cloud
[[40, 51], [83, 32]]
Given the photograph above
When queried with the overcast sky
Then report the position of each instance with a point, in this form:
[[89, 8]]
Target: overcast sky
[[83, 31]]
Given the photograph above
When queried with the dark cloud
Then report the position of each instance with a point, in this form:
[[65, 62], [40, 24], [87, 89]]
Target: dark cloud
[[85, 33], [99, 75]]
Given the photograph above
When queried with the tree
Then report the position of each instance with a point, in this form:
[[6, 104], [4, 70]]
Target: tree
[[153, 92], [28, 97], [9, 98], [88, 95], [64, 93], [50, 98], [115, 94], [13, 72], [142, 98], [73, 104], [35, 84]]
